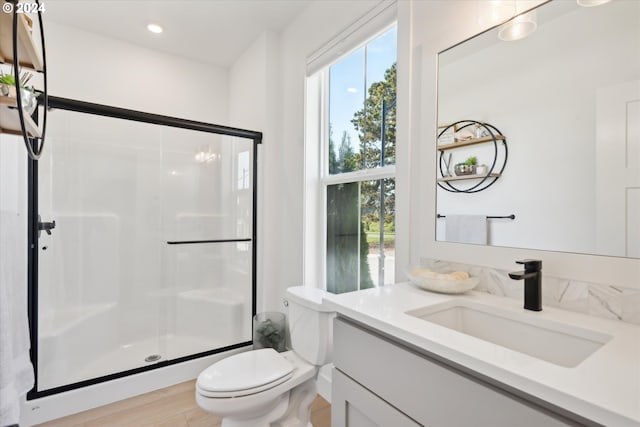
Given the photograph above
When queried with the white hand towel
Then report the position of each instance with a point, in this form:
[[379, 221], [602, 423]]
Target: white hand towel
[[466, 229]]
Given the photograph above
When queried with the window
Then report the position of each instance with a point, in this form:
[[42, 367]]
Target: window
[[356, 179], [244, 173]]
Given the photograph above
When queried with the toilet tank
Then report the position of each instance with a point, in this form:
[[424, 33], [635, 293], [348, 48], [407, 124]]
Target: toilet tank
[[310, 324]]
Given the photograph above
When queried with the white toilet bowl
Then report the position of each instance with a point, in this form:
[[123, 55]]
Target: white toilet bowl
[[264, 395], [264, 388]]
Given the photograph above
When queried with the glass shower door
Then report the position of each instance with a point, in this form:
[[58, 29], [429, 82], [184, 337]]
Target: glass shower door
[[207, 193], [98, 298], [151, 258]]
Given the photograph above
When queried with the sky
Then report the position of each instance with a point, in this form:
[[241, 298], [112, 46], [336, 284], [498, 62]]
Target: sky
[[350, 79]]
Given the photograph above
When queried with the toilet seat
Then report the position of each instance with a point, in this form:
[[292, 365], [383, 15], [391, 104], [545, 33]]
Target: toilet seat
[[253, 406], [244, 374]]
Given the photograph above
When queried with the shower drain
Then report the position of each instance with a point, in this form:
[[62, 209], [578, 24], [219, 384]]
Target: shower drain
[[152, 358]]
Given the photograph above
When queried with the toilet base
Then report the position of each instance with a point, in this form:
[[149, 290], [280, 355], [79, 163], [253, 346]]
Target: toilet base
[[264, 420], [299, 411], [292, 409]]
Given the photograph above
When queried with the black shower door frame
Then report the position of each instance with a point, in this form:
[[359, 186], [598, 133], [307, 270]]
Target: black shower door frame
[[33, 229]]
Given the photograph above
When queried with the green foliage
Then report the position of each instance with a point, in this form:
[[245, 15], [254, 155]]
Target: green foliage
[[8, 79], [270, 335], [471, 161], [333, 161], [368, 122], [345, 249], [374, 238], [389, 228]]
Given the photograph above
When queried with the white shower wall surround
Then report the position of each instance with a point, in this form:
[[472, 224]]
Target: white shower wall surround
[[602, 300]]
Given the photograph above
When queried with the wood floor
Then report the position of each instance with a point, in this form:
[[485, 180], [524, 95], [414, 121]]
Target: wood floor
[[169, 407]]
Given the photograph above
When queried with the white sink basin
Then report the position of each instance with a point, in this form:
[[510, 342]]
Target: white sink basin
[[554, 342]]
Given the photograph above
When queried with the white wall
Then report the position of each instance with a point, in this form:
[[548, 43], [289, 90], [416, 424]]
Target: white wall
[[93, 68], [450, 22], [254, 103], [283, 159]]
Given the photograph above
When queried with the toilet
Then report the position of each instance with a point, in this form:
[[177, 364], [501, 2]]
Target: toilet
[[264, 388]]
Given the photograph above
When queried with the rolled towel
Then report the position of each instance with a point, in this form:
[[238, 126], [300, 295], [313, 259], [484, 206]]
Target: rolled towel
[[428, 274]]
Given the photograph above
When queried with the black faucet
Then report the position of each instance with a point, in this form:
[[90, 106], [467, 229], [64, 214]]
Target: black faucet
[[532, 283]]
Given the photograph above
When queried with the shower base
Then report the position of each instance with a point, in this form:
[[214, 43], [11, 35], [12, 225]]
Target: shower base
[[93, 341], [126, 357]]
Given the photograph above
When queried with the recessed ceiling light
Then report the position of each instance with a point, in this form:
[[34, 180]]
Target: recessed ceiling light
[[519, 27], [352, 90], [592, 3], [154, 28]]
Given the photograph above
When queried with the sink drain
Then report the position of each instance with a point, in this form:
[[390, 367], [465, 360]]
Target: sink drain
[[152, 358]]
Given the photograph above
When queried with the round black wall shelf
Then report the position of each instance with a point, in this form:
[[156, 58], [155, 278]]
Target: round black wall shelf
[[489, 134]]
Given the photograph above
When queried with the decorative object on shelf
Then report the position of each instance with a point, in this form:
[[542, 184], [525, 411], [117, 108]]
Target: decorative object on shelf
[[462, 169], [447, 136], [468, 171], [466, 168], [463, 135], [447, 164], [17, 46], [8, 89], [482, 169], [446, 282], [479, 132]]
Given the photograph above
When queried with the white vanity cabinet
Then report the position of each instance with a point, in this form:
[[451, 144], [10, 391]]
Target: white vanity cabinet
[[380, 382], [353, 405]]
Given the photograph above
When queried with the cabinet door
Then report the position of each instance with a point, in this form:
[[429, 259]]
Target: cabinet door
[[354, 406], [427, 390]]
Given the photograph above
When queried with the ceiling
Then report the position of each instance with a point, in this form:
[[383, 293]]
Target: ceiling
[[216, 32]]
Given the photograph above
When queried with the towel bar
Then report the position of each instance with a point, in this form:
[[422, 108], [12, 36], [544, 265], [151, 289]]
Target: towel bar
[[512, 216]]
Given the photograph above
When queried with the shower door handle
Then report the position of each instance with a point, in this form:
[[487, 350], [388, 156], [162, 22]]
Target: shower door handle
[[46, 226]]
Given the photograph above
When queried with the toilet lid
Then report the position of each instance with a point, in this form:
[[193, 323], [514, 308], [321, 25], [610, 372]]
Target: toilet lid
[[245, 371]]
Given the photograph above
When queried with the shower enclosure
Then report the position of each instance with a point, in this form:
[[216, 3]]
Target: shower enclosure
[[142, 243]]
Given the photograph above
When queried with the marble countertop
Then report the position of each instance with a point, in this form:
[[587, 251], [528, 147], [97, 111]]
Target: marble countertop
[[604, 388]]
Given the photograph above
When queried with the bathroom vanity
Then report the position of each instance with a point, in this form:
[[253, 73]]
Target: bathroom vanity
[[405, 357]]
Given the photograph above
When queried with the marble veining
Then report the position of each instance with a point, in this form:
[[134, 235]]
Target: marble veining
[[607, 301]]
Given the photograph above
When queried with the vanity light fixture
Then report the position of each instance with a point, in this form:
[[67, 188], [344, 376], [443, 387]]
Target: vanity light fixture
[[154, 28], [591, 3], [519, 27]]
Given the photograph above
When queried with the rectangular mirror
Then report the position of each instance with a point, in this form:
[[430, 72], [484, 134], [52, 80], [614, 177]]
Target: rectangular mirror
[[566, 99]]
